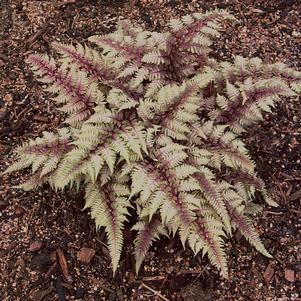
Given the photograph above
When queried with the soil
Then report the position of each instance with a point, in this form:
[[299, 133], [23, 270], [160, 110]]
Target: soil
[[43, 233]]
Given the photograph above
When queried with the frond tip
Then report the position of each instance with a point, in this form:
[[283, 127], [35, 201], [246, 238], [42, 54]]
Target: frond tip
[[109, 209], [147, 232]]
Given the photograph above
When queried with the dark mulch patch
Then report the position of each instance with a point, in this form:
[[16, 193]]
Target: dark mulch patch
[[55, 222]]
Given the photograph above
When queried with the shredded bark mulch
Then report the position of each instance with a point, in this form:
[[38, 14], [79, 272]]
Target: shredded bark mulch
[[49, 249]]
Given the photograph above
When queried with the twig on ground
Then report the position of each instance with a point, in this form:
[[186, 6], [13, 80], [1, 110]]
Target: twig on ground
[[274, 212], [51, 270], [29, 220], [196, 271], [63, 264], [153, 278], [35, 36], [153, 291], [75, 19]]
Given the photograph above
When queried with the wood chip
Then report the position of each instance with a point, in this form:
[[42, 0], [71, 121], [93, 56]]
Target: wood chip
[[289, 275], [19, 210], [40, 118], [154, 278], [295, 33], [85, 255], [35, 246], [157, 293], [63, 264], [8, 98], [268, 273], [65, 2]]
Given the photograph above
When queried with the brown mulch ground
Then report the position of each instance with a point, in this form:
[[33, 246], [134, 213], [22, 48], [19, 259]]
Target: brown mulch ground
[[42, 232]]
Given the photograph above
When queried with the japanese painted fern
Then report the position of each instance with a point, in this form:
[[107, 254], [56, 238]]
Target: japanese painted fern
[[153, 123]]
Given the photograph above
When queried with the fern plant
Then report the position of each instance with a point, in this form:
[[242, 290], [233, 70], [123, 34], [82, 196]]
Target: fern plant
[[153, 124]]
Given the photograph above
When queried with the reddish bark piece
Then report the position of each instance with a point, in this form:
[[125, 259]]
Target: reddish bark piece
[[268, 273], [8, 98], [63, 264], [19, 210], [85, 255], [35, 246], [289, 275], [40, 118]]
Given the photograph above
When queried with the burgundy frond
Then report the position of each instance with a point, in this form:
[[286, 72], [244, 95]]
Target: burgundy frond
[[237, 111], [239, 176], [96, 66], [110, 200], [180, 61], [244, 225], [147, 233], [96, 69], [213, 196], [238, 158], [168, 113], [56, 147], [236, 73], [169, 185], [129, 51], [121, 123], [109, 212], [79, 103], [213, 244]]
